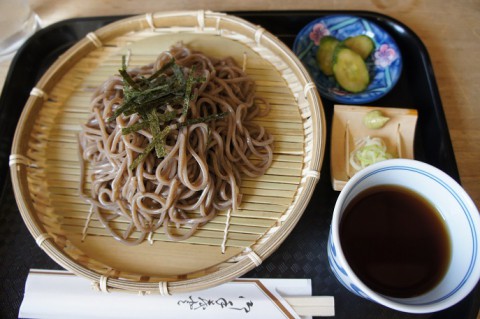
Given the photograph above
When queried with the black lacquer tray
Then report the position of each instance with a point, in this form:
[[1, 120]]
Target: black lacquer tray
[[303, 253]]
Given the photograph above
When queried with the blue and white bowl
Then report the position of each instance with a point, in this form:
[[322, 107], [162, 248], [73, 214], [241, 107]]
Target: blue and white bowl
[[384, 65], [461, 218]]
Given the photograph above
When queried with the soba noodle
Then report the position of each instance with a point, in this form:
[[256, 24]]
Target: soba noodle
[[200, 172]]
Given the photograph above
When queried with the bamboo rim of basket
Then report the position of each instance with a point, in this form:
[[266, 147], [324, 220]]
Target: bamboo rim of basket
[[199, 20]]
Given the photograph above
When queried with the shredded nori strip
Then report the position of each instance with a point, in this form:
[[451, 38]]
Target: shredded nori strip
[[188, 92], [205, 119], [163, 118]]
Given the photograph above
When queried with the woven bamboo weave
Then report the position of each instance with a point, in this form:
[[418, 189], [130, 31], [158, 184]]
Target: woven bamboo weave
[[45, 163]]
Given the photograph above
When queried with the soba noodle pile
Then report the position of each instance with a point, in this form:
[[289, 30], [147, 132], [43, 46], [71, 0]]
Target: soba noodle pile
[[180, 174]]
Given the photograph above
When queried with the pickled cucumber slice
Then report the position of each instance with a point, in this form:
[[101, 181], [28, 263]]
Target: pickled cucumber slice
[[350, 70], [361, 44], [325, 54]]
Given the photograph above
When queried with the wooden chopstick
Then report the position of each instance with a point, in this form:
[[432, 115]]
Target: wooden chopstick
[[323, 306]]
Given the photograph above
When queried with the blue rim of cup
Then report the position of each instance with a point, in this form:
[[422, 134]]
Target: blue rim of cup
[[462, 199]]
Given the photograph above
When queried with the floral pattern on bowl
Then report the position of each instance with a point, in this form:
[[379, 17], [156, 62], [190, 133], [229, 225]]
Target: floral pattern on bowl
[[384, 65]]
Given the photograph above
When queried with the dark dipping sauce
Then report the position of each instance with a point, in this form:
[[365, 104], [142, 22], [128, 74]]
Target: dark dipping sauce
[[395, 241]]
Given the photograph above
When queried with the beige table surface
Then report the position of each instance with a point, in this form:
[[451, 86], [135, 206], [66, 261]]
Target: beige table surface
[[449, 29]]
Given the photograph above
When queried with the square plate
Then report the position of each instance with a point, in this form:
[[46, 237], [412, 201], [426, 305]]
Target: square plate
[[348, 128]]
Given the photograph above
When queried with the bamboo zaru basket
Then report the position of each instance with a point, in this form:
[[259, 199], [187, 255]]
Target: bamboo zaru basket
[[45, 165]]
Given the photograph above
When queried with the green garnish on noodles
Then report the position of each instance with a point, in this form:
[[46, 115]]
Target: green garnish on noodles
[[149, 96]]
